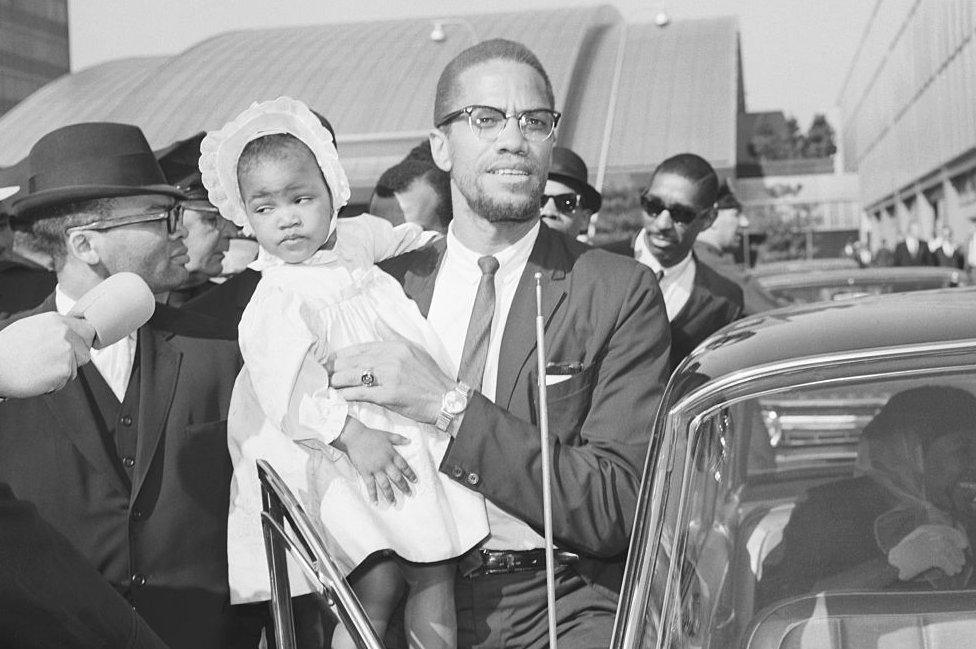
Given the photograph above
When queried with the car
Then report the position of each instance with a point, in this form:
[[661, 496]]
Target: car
[[796, 467], [804, 287], [789, 458]]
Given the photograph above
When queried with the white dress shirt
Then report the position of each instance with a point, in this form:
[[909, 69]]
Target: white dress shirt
[[911, 244], [677, 281], [450, 310], [114, 362]]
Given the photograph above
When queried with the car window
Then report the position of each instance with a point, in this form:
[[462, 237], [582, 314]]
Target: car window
[[865, 485]]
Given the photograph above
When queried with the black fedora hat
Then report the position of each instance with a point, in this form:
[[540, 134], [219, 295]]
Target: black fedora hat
[[87, 161], [569, 169]]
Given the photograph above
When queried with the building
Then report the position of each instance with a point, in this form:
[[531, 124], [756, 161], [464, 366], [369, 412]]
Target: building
[[33, 47], [909, 117], [631, 94]]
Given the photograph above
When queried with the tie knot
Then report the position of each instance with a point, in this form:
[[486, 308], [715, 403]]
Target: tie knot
[[659, 274], [488, 265]]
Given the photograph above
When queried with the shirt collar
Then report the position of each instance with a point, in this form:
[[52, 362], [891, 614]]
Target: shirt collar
[[510, 259], [643, 254]]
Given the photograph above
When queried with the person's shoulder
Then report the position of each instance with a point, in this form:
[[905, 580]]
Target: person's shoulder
[[717, 283], [422, 261], [193, 326]]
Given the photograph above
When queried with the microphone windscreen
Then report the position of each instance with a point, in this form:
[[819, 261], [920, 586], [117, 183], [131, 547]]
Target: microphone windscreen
[[116, 307]]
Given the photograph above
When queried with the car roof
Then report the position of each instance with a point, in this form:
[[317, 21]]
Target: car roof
[[910, 318], [887, 274]]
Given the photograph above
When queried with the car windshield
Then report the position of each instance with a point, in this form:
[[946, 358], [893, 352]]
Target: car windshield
[[800, 497]]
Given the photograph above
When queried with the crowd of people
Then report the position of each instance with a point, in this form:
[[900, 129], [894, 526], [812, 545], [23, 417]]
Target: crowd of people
[[382, 362]]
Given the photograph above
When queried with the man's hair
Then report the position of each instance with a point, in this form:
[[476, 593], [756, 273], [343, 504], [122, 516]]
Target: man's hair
[[402, 175], [697, 170], [498, 49], [47, 229]]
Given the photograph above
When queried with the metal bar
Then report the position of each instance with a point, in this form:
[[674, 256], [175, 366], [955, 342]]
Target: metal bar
[[281, 610]]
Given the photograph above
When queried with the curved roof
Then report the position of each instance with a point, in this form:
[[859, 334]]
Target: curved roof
[[791, 333], [375, 82]]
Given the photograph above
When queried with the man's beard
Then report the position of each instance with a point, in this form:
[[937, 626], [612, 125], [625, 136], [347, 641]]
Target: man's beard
[[484, 205]]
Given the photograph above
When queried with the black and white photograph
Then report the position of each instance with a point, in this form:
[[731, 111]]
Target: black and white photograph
[[535, 324]]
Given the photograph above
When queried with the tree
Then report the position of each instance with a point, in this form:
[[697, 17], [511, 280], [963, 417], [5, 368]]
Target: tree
[[819, 141]]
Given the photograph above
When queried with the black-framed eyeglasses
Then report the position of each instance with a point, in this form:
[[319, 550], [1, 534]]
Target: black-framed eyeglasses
[[565, 203], [488, 122], [209, 214], [173, 215], [653, 206]]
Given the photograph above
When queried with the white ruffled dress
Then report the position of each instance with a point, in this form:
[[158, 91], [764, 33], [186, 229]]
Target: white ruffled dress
[[284, 411]]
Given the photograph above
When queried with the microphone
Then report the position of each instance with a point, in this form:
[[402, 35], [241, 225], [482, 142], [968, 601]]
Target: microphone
[[116, 307]]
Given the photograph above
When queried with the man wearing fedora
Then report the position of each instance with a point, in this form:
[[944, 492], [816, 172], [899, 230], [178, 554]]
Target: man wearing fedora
[[568, 200], [129, 460]]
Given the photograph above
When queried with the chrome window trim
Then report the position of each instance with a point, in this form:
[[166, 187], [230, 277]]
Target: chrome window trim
[[628, 631]]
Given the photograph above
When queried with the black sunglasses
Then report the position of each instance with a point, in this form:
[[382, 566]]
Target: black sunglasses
[[653, 206], [564, 203]]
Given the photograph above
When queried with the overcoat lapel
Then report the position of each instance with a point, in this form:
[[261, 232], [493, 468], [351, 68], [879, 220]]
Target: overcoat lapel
[[518, 339], [159, 368]]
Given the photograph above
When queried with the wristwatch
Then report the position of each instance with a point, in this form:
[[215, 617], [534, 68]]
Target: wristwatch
[[452, 405]]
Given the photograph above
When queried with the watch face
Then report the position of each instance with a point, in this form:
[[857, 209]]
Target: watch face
[[454, 402]]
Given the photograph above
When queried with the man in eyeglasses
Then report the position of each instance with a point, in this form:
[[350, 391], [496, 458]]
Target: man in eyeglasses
[[208, 234], [129, 460], [677, 206], [568, 200], [607, 338]]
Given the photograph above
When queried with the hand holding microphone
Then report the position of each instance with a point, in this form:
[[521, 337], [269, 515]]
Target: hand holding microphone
[[42, 352]]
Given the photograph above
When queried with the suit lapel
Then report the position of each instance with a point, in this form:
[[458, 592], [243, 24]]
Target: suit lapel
[[418, 283], [519, 339], [74, 414], [159, 367]]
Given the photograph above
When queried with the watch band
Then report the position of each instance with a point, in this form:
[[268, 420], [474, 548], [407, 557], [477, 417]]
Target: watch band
[[446, 416]]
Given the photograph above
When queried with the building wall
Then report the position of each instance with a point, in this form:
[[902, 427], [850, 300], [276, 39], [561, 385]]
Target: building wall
[[909, 117], [33, 47]]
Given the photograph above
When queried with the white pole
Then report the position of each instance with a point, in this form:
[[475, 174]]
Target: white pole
[[544, 439]]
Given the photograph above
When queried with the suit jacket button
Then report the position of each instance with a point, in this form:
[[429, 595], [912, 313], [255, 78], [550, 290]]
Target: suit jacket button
[[139, 579], [457, 472], [473, 479], [127, 420], [137, 515]]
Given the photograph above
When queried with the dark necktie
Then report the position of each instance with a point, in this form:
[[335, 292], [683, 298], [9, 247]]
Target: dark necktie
[[659, 274], [472, 368]]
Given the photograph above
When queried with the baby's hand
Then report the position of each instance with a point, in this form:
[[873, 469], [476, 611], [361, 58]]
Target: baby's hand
[[373, 453]]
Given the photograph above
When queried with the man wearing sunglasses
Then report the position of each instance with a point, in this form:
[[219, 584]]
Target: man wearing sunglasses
[[568, 201], [129, 460], [607, 338], [679, 204]]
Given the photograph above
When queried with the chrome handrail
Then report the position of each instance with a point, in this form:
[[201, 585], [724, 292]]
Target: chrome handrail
[[303, 542]]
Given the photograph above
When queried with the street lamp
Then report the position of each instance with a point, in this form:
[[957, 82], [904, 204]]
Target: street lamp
[[438, 35]]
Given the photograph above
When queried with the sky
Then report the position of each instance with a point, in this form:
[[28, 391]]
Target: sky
[[795, 53]]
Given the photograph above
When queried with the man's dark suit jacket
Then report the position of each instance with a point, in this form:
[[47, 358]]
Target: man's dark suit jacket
[[755, 299], [715, 301], [51, 597], [23, 285], [956, 260], [606, 313], [159, 538], [225, 303], [922, 257]]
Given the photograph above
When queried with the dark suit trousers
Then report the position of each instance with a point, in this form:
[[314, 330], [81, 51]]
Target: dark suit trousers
[[510, 611], [50, 596]]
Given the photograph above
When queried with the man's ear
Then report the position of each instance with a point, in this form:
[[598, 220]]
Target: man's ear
[[708, 219], [440, 149], [81, 246]]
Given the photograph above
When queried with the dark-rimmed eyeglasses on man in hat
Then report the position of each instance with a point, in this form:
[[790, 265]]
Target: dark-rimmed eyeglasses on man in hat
[[568, 201], [172, 214]]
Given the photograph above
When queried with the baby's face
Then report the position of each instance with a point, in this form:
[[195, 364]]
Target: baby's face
[[288, 205]]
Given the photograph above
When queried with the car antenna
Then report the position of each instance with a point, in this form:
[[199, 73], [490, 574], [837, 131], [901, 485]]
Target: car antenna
[[546, 471]]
